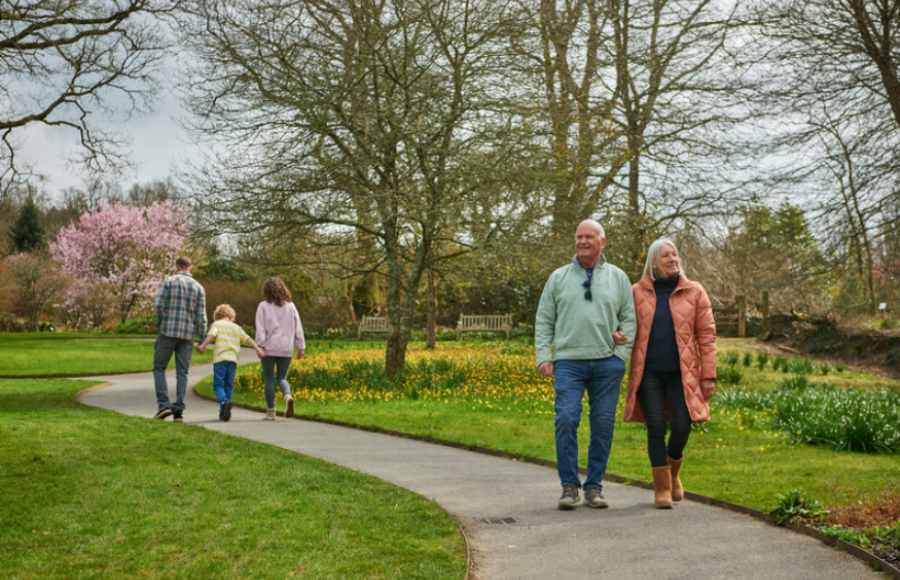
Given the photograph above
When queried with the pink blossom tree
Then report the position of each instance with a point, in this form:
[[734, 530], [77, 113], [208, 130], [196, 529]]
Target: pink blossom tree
[[120, 252]]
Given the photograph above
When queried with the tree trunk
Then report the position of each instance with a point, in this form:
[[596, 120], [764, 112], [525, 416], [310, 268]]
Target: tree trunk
[[395, 355], [635, 243], [431, 334]]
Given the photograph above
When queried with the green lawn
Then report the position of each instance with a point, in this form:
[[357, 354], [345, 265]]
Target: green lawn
[[47, 356], [87, 493], [737, 457]]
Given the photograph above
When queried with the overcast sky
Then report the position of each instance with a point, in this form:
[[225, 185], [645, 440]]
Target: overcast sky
[[158, 143]]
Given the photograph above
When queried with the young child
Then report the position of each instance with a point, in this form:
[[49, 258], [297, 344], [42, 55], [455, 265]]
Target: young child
[[228, 337]]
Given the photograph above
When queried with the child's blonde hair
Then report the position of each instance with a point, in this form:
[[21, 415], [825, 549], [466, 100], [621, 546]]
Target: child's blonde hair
[[224, 311]]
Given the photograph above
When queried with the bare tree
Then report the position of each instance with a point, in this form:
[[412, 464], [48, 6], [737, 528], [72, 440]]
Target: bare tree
[[639, 97], [360, 123], [63, 62], [37, 282], [828, 74], [562, 44]]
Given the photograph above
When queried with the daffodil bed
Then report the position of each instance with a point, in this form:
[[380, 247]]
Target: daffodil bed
[[491, 395]]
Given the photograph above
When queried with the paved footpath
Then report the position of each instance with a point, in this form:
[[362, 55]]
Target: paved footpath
[[508, 508]]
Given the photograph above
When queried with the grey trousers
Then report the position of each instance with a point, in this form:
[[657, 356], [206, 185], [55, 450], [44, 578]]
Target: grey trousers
[[270, 377], [163, 350]]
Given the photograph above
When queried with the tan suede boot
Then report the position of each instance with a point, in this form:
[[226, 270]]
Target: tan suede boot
[[270, 415], [662, 487], [677, 489]]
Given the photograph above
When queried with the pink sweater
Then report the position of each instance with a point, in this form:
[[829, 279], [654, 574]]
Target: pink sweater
[[278, 329]]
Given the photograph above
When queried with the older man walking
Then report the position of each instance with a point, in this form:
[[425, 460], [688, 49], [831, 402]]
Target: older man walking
[[180, 312], [583, 331]]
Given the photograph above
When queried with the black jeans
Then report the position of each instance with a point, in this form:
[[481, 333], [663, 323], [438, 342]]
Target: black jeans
[[657, 389]]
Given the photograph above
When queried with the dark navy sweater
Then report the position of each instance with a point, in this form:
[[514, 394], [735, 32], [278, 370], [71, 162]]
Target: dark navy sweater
[[662, 350]]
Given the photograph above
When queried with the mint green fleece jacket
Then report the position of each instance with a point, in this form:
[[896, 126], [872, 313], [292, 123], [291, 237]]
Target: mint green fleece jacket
[[568, 327]]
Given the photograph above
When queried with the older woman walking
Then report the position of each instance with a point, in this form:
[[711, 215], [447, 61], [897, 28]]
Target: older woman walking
[[673, 364], [278, 332]]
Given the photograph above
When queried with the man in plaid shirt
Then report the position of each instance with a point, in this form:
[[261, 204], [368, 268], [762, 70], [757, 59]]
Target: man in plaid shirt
[[180, 312]]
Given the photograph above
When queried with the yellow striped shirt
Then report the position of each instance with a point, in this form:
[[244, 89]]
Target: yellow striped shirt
[[229, 337]]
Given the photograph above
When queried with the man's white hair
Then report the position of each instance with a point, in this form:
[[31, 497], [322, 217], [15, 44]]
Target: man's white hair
[[596, 224]]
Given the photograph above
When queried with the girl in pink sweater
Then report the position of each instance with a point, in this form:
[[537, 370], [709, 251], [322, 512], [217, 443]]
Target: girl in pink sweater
[[279, 333]]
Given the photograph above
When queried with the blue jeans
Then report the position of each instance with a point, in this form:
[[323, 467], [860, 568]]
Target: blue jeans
[[270, 377], [602, 379], [223, 379], [659, 390], [163, 350]]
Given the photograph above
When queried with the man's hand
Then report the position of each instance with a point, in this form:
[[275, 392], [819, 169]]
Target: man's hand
[[546, 368], [260, 352], [201, 349], [619, 337]]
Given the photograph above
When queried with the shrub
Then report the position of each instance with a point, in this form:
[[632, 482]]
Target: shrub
[[9, 322], [792, 506], [824, 368], [839, 367], [754, 399], [748, 359], [729, 375], [823, 414], [779, 364], [866, 421], [878, 540], [801, 366], [730, 358], [793, 383], [893, 357], [761, 360], [136, 326]]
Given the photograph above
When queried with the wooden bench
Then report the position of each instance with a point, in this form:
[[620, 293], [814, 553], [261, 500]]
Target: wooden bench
[[373, 324], [484, 323]]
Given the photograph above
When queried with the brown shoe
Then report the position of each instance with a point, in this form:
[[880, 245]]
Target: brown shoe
[[662, 487], [677, 489]]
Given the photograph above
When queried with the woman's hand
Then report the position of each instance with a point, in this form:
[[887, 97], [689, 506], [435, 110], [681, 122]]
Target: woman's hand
[[707, 387], [619, 337]]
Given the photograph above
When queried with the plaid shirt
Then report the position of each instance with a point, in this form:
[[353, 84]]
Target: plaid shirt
[[180, 307]]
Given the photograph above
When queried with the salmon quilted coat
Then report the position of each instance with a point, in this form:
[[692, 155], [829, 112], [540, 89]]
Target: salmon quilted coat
[[695, 333]]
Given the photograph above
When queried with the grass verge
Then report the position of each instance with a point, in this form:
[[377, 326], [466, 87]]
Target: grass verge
[[88, 493], [34, 357]]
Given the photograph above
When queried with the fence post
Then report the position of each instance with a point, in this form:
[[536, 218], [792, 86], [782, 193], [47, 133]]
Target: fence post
[[765, 312], [742, 316]]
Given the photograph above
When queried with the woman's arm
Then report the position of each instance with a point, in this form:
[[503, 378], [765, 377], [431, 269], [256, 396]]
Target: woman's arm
[[705, 334]]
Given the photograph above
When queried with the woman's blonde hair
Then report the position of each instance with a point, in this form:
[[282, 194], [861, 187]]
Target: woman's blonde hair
[[653, 257], [223, 311], [276, 292]]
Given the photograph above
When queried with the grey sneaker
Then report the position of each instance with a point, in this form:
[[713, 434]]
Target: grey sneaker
[[593, 497], [569, 498]]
